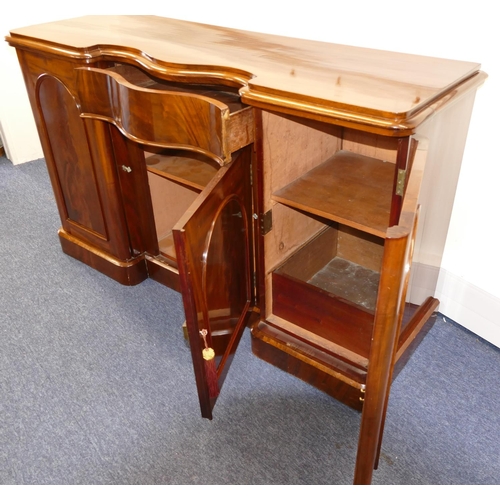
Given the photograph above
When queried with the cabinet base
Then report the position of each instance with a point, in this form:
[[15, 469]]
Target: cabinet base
[[314, 367], [130, 272], [330, 373], [163, 273]]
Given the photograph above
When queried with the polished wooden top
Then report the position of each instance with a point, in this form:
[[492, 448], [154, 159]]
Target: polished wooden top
[[386, 92]]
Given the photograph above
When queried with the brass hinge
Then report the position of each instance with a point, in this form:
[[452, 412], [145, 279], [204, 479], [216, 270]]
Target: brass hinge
[[401, 182], [362, 390]]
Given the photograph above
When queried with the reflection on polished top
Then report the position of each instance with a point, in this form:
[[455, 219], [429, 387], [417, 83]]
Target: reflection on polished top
[[386, 92]]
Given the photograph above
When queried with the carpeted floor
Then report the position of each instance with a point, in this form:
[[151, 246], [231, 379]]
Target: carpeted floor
[[96, 385]]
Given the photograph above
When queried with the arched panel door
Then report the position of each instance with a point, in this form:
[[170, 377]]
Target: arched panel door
[[74, 175], [213, 246], [83, 172]]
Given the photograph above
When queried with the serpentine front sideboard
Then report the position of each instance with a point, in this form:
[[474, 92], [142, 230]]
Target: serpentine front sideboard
[[276, 183]]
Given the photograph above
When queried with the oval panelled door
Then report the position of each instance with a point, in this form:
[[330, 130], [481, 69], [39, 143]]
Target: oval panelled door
[[213, 247]]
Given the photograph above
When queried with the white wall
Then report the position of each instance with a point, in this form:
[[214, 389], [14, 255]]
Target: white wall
[[469, 283]]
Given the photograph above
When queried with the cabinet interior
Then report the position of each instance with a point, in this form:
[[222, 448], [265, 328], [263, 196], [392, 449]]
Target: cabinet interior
[[341, 261], [336, 271], [323, 256], [175, 179]]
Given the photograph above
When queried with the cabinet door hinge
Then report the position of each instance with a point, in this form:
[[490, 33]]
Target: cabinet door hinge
[[266, 222], [401, 182]]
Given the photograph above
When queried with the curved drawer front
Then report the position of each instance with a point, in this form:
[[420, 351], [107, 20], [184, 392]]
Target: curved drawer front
[[167, 118]]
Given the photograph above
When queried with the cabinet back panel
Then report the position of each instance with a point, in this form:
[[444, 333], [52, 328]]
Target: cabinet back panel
[[374, 146], [290, 149]]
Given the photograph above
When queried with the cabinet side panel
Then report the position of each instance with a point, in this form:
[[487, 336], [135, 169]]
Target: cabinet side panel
[[446, 133]]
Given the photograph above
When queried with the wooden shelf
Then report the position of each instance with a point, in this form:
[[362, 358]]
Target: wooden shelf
[[348, 188], [181, 169]]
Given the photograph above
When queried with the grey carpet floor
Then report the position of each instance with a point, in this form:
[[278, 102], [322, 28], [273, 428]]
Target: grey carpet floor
[[96, 385]]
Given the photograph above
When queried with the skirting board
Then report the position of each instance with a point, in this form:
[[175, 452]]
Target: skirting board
[[461, 301]]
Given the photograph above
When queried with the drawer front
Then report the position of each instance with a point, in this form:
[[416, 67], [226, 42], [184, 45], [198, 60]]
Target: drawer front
[[164, 118]]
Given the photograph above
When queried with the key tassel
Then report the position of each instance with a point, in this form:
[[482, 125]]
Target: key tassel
[[210, 370]]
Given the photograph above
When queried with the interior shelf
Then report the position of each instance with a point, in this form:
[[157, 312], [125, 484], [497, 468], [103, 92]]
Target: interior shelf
[[185, 170], [348, 188]]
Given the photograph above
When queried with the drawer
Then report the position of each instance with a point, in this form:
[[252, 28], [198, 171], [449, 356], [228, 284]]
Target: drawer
[[207, 119]]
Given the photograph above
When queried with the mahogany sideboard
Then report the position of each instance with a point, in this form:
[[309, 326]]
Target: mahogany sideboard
[[276, 183]]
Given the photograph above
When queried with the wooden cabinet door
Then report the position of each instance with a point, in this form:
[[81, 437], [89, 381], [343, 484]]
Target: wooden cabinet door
[[82, 170], [214, 253]]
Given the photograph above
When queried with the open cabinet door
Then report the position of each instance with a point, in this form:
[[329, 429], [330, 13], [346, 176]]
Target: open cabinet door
[[214, 254]]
